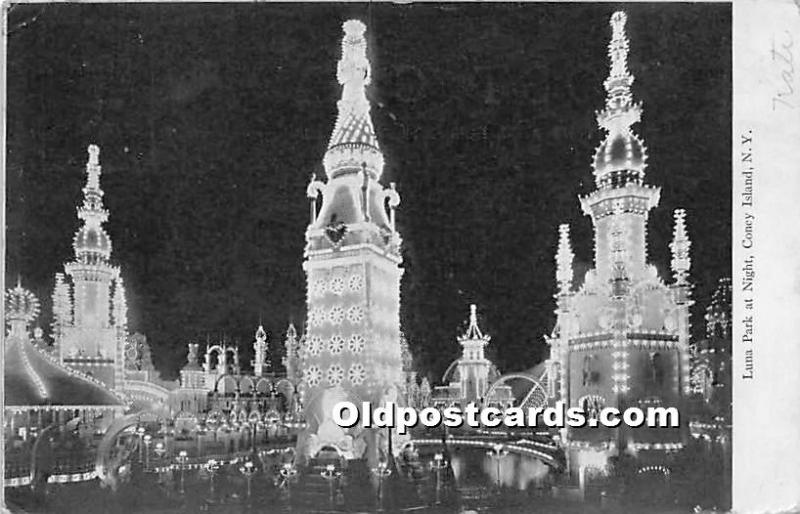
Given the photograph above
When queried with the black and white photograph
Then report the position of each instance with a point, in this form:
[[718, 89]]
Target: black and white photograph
[[379, 257]]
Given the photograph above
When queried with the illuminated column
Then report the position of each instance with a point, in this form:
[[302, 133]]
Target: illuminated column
[[260, 351], [681, 264]]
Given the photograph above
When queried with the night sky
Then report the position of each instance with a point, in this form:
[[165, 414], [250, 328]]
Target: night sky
[[211, 118]]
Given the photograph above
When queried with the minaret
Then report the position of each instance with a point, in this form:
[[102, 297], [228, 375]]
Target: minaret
[[62, 309], [91, 328], [291, 353], [261, 362], [473, 367], [90, 271], [619, 207], [564, 259], [681, 262], [682, 292], [352, 261]]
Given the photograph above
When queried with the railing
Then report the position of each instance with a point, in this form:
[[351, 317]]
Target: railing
[[511, 447]]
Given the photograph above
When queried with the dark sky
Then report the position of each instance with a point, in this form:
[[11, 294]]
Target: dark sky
[[211, 118]]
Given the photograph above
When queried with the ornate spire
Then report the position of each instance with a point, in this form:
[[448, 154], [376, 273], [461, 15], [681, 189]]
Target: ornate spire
[[92, 243], [564, 258], [262, 361], [622, 150], [681, 262], [353, 142], [473, 332], [62, 304]]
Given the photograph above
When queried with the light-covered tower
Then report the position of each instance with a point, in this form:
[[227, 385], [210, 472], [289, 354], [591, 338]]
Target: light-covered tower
[[621, 337], [291, 354], [262, 362], [473, 367], [91, 326], [352, 264], [62, 309]]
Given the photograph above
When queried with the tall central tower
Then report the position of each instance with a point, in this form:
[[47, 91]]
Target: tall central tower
[[90, 314], [352, 263]]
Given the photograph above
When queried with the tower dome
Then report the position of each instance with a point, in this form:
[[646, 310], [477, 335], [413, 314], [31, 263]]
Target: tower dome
[[624, 152], [92, 240]]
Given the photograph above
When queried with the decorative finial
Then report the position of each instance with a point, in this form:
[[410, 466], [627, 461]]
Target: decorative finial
[[473, 332], [681, 261], [564, 259], [622, 150], [620, 111]]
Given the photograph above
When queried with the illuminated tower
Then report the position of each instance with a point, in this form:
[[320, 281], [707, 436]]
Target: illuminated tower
[[352, 264], [90, 325], [261, 362], [621, 339], [291, 354], [473, 367]]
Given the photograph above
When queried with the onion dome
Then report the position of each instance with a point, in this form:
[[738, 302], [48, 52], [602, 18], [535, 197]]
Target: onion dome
[[622, 157], [353, 144]]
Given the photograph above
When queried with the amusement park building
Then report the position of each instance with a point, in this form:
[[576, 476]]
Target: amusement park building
[[352, 348], [221, 390], [622, 335]]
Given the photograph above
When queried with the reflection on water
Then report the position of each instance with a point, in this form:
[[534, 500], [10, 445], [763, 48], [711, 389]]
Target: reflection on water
[[475, 468], [470, 483]]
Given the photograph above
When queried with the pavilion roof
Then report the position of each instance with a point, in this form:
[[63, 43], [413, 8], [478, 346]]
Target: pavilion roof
[[33, 380]]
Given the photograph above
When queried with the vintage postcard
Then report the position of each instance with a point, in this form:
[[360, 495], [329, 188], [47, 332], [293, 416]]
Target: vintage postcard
[[446, 257]]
